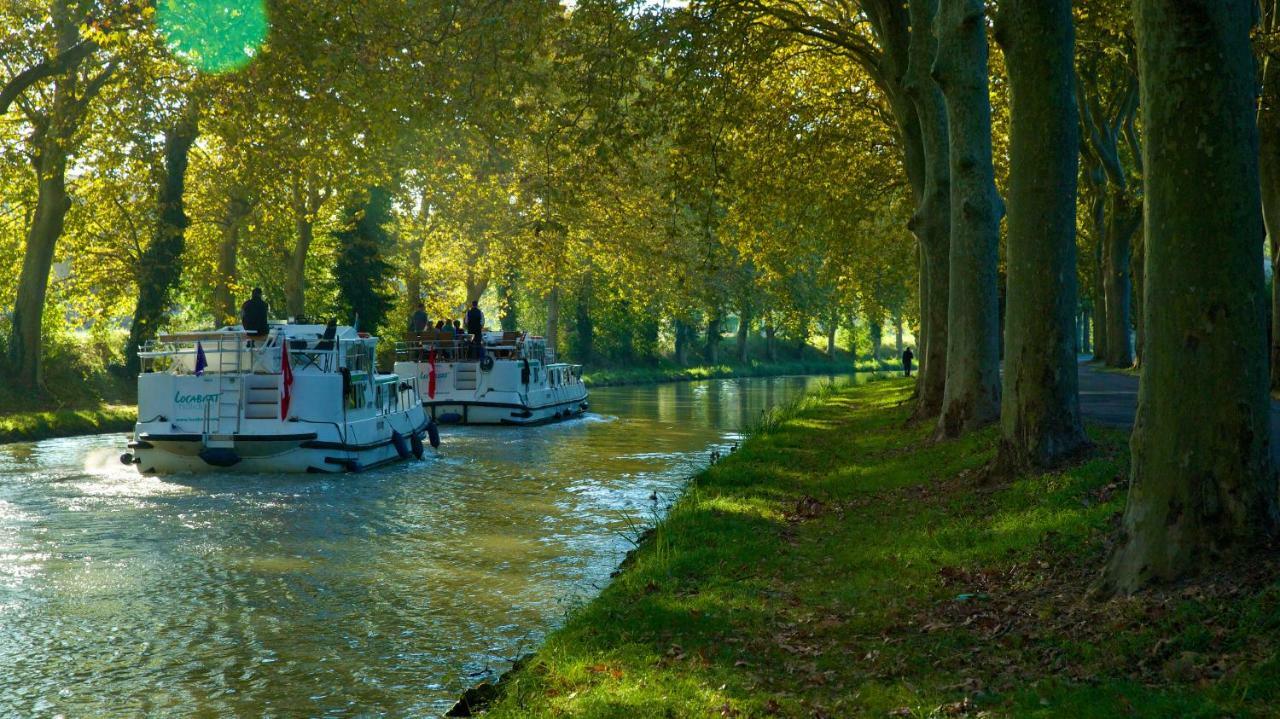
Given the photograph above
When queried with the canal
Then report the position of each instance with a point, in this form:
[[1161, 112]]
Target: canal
[[385, 593]]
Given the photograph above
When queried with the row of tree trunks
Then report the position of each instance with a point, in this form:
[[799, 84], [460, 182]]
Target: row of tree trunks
[[160, 266], [971, 397], [1040, 412], [1201, 483]]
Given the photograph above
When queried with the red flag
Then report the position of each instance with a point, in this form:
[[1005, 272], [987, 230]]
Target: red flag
[[431, 376], [286, 386]]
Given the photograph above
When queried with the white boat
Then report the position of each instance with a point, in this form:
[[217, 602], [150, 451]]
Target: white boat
[[302, 398], [509, 378]]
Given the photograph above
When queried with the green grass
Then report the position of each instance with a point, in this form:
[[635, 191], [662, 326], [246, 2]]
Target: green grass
[[840, 565], [28, 426], [670, 372]]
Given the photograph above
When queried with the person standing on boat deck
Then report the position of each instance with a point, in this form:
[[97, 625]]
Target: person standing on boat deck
[[253, 314], [419, 321], [475, 327], [907, 356]]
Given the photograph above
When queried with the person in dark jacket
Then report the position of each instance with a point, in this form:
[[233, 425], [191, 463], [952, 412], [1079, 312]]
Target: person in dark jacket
[[475, 321], [253, 314], [419, 321], [475, 328], [907, 356]]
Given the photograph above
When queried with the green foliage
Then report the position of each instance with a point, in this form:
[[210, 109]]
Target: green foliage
[[361, 270]]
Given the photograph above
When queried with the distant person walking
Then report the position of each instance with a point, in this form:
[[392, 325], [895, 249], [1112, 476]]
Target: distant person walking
[[907, 356], [253, 314]]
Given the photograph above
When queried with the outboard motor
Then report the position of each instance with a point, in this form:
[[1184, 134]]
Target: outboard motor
[[433, 433]]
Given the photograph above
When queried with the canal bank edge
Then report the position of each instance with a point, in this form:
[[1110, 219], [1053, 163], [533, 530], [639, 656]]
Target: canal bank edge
[[477, 699], [617, 377], [35, 426], [842, 564]]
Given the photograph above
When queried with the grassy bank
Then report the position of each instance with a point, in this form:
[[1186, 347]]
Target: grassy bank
[[839, 565], [670, 372], [29, 426]]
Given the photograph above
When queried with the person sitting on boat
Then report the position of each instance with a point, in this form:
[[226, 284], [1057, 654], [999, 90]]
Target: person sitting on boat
[[253, 314], [419, 321], [475, 327]]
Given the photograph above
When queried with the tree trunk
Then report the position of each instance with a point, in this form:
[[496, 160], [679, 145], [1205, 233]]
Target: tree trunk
[[876, 332], [1086, 332], [1202, 482], [553, 319], [507, 316], [224, 300], [159, 268], [712, 352], [1138, 273], [770, 340], [1269, 173], [972, 395], [897, 335], [476, 285], [744, 334], [1040, 412], [52, 203], [295, 278], [832, 326], [584, 328], [1123, 219], [931, 222], [682, 342]]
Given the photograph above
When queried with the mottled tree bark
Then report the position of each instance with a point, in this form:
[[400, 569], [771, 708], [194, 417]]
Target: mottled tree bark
[[507, 316], [1040, 411], [744, 334], [972, 395], [1202, 482], [711, 350], [1269, 174], [159, 267], [553, 319], [224, 300], [932, 219], [52, 203], [1123, 218], [52, 142]]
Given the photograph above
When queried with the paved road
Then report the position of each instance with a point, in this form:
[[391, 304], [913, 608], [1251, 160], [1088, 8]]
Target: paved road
[[1112, 398], [1107, 397]]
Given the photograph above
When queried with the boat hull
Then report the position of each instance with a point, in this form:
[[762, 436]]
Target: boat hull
[[263, 454], [506, 413]]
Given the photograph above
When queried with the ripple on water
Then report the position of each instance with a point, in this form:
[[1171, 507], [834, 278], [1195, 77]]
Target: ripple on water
[[330, 596]]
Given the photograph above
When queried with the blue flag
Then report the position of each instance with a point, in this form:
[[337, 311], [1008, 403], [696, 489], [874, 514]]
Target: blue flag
[[201, 362]]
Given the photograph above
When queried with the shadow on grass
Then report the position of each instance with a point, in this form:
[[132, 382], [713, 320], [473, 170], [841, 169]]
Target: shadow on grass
[[840, 564]]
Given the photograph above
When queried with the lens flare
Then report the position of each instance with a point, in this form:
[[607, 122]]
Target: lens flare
[[213, 36]]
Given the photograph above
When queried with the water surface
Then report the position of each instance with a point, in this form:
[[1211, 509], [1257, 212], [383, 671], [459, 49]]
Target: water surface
[[302, 595]]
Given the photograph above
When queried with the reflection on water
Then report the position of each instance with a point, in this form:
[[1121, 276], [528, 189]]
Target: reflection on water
[[384, 593]]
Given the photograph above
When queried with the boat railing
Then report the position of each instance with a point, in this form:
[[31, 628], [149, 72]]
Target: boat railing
[[417, 347], [235, 353]]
